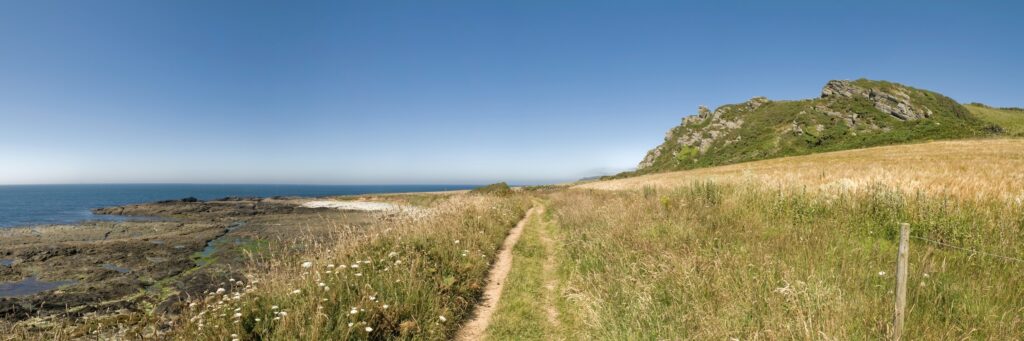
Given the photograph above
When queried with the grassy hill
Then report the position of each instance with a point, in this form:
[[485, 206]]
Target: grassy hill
[[847, 115], [1011, 120]]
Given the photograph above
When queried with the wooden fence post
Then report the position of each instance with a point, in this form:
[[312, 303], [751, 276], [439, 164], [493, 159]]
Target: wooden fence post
[[901, 281]]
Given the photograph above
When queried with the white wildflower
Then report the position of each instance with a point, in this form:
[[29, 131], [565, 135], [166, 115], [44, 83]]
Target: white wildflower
[[307, 264], [220, 291], [442, 318], [881, 273], [368, 329]]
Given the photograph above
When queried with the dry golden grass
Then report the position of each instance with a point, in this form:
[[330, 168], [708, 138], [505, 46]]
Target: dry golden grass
[[720, 262], [966, 169]]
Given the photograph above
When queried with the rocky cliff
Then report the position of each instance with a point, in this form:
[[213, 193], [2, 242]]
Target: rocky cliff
[[847, 114]]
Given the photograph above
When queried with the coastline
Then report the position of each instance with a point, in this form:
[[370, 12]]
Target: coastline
[[103, 269], [41, 205]]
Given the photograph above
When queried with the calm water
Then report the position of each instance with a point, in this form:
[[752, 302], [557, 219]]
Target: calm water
[[62, 204]]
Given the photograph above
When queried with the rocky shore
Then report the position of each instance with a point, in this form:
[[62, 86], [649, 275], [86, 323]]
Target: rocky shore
[[108, 268]]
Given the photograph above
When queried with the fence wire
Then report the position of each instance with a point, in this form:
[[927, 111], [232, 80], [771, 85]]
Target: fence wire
[[1014, 259]]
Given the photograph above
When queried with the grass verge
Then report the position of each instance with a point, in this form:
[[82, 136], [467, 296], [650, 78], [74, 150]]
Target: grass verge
[[415, 278]]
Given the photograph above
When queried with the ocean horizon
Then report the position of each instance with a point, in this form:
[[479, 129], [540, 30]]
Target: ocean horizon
[[42, 204]]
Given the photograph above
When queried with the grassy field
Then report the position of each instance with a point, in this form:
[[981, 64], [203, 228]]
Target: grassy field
[[1011, 120], [778, 249], [712, 262], [966, 169]]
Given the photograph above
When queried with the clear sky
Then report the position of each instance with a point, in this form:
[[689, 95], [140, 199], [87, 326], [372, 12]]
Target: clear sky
[[380, 92]]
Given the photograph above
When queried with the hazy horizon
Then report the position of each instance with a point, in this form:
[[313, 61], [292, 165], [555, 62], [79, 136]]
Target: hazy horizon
[[352, 93]]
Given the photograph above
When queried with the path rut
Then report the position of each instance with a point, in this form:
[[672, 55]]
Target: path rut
[[474, 328]]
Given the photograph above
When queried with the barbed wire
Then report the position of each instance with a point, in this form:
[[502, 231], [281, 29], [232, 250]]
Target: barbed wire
[[970, 250]]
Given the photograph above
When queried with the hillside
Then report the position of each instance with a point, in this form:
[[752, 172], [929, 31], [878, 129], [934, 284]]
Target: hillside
[[847, 115], [1011, 120]]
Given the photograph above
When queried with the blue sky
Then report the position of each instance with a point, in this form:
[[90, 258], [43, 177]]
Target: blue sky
[[441, 91]]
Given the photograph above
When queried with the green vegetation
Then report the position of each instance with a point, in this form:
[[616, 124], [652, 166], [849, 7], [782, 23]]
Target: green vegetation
[[1011, 120], [529, 294], [500, 188], [413, 278], [761, 129], [707, 261]]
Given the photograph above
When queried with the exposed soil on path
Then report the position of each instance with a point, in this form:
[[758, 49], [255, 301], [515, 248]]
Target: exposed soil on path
[[474, 328]]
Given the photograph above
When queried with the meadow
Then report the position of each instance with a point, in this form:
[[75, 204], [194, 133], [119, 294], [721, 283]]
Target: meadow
[[975, 170], [711, 262]]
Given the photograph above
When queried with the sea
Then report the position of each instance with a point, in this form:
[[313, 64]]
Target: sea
[[27, 205]]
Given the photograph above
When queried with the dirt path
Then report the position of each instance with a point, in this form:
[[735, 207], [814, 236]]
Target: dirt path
[[475, 327]]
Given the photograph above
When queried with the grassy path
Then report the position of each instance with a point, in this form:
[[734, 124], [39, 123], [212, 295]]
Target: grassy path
[[474, 328], [529, 309], [550, 279]]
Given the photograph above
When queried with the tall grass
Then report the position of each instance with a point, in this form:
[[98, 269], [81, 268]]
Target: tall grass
[[974, 170], [711, 261], [415, 278], [1009, 119]]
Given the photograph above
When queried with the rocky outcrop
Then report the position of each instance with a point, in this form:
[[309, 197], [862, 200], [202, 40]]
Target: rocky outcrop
[[652, 155], [847, 114], [894, 101], [715, 126]]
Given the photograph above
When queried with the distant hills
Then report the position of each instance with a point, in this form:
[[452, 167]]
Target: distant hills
[[847, 115]]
